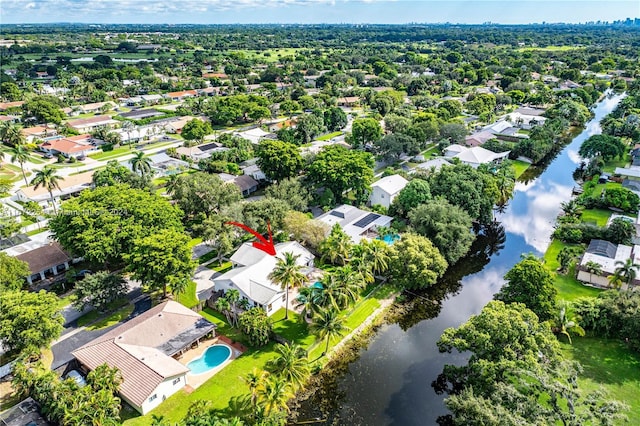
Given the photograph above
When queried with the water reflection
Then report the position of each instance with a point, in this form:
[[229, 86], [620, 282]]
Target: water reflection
[[390, 384]]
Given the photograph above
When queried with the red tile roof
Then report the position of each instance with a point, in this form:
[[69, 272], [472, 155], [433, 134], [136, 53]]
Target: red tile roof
[[68, 145]]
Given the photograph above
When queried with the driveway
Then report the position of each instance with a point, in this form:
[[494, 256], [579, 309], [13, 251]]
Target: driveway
[[204, 285]]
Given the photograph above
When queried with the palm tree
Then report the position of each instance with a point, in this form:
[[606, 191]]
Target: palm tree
[[12, 135], [274, 394], [565, 322], [254, 380], [233, 297], [290, 363], [309, 300], [340, 289], [20, 154], [627, 269], [327, 325], [336, 247], [377, 255], [593, 268], [140, 163], [47, 178], [171, 184], [287, 274], [615, 281], [222, 305]]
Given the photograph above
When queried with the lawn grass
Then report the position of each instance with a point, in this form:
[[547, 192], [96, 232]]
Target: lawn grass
[[610, 365], [228, 383], [64, 301], [328, 136], [569, 288], [519, 167], [113, 319], [107, 155], [194, 242], [94, 315], [610, 166], [36, 231], [188, 297], [597, 216]]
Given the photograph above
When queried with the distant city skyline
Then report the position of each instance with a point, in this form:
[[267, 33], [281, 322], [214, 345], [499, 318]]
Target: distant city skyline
[[314, 11]]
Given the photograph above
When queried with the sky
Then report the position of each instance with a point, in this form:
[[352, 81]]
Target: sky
[[314, 11]]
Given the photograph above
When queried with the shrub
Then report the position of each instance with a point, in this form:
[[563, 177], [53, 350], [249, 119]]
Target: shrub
[[256, 325]]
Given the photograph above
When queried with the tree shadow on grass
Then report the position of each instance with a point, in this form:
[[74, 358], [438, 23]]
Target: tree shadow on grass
[[606, 361]]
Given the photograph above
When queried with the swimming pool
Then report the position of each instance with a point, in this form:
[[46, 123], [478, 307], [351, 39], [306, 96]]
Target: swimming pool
[[212, 357], [390, 238], [317, 284]]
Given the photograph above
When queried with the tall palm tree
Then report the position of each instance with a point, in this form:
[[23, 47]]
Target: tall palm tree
[[287, 274], [616, 281], [336, 247], [290, 363], [222, 305], [47, 178], [377, 255], [254, 380], [339, 290], [627, 269], [233, 297], [140, 163], [171, 184], [20, 154], [565, 322], [274, 394], [12, 135], [327, 325]]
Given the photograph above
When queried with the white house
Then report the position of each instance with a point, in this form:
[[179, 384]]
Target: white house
[[69, 186], [250, 274], [475, 156], [356, 223], [434, 164], [144, 349], [386, 189], [605, 254], [254, 135]]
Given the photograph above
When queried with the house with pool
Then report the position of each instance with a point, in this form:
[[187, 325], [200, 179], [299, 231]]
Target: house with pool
[[356, 223], [250, 274], [146, 351]]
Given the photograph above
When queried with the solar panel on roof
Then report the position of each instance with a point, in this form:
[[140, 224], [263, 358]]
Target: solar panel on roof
[[371, 217], [602, 248], [337, 214], [207, 147]]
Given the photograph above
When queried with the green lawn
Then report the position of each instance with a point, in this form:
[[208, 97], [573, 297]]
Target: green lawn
[[108, 155], [519, 167], [597, 216], [609, 365], [92, 316], [189, 298], [328, 136], [610, 166], [292, 329], [113, 319], [597, 190], [194, 242], [64, 301], [569, 288]]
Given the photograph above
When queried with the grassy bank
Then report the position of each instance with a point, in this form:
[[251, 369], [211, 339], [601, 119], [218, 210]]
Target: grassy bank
[[611, 366]]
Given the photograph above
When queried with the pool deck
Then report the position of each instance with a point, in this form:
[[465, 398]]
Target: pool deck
[[196, 380]]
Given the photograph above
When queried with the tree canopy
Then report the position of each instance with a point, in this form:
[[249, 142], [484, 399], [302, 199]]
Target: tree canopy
[[103, 224], [608, 147], [414, 262], [13, 272], [279, 160], [339, 169]]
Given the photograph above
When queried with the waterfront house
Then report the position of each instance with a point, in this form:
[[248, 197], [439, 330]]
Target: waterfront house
[[606, 255], [145, 351], [356, 223], [475, 156], [250, 274]]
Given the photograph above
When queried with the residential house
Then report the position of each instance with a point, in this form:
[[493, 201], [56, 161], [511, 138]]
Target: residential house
[[90, 108], [25, 413], [176, 126], [8, 105], [37, 132], [479, 138], [140, 114], [182, 95], [45, 262], [250, 168], [356, 223], [606, 255], [9, 118], [630, 176], [69, 186], [525, 121], [475, 156], [254, 135], [250, 274], [70, 146], [200, 152], [164, 165], [434, 164], [87, 125], [349, 101], [386, 189], [144, 350], [246, 184]]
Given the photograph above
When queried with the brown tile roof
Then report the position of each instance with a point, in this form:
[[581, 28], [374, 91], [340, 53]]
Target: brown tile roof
[[44, 257], [81, 180], [69, 145], [182, 93], [141, 348], [7, 105], [34, 131]]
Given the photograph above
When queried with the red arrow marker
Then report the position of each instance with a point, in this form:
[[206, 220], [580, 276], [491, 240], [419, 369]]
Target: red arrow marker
[[263, 244]]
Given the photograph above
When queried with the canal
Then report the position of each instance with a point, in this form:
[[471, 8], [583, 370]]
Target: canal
[[391, 382]]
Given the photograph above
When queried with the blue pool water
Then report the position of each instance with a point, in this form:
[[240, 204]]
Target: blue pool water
[[317, 284], [211, 358], [390, 239]]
